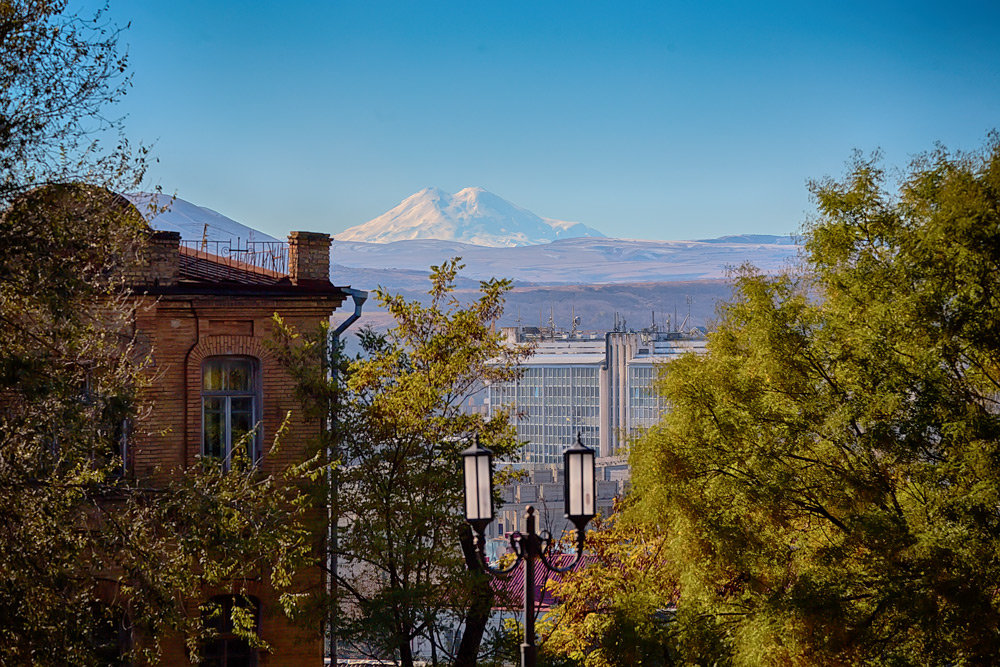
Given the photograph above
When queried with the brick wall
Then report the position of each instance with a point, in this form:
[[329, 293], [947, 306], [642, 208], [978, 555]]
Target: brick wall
[[160, 263], [182, 332]]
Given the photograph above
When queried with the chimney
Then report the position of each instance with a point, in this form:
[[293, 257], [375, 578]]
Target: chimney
[[160, 263], [308, 256]]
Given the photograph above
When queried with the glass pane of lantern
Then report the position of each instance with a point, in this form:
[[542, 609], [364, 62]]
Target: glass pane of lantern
[[575, 477], [485, 499], [471, 492], [587, 463]]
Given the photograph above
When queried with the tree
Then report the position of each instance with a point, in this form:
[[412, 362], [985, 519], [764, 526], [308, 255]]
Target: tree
[[399, 428], [828, 476], [91, 557], [59, 75], [616, 609]]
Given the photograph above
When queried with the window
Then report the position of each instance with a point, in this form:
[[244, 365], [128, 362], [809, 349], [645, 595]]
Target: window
[[230, 408], [225, 649]]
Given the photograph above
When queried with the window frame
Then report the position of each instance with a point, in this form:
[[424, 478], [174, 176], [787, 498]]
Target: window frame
[[227, 395]]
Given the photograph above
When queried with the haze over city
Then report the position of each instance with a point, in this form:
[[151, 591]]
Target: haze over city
[[642, 119]]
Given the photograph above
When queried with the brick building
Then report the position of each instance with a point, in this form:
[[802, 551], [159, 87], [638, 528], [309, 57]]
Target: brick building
[[206, 314]]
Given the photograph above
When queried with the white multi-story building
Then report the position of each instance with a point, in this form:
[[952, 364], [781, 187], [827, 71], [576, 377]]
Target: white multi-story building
[[600, 385]]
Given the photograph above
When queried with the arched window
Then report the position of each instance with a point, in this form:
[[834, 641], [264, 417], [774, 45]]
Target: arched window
[[230, 408], [225, 648]]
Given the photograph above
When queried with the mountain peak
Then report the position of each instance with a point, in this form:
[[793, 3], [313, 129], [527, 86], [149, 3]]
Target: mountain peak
[[436, 193], [472, 215]]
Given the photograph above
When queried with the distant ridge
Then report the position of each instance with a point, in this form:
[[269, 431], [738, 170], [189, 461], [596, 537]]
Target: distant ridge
[[577, 260], [193, 222], [766, 239], [473, 215]]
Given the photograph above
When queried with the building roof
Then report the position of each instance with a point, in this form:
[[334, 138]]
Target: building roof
[[563, 359], [200, 266], [202, 272], [509, 590]]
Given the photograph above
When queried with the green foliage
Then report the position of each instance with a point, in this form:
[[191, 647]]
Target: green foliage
[[828, 477], [616, 610], [398, 430]]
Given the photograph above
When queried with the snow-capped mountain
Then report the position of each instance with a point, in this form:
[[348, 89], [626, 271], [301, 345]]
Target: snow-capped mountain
[[472, 215], [562, 261], [172, 214]]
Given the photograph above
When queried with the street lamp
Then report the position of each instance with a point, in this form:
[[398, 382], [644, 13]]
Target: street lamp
[[579, 498]]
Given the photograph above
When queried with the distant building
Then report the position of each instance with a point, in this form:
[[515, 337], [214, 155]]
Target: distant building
[[600, 385]]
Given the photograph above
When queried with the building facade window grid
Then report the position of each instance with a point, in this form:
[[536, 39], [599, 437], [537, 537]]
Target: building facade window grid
[[550, 405], [608, 397], [645, 405]]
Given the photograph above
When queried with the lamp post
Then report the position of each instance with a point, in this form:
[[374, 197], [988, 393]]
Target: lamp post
[[530, 546]]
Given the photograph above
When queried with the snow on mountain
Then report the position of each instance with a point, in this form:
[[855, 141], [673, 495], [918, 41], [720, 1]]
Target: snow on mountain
[[568, 261], [473, 215], [171, 214]]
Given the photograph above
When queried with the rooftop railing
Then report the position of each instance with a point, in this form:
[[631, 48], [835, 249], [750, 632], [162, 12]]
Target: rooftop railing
[[265, 256]]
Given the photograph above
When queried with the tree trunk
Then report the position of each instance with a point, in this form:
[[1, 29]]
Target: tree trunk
[[478, 614], [405, 654]]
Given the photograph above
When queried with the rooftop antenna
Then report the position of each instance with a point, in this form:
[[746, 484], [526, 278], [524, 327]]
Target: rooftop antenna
[[686, 318]]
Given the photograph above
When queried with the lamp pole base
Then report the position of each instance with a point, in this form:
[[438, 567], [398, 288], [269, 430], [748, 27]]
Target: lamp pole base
[[529, 655]]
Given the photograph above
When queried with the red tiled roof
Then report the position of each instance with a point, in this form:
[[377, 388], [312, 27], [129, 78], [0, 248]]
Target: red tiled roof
[[509, 590]]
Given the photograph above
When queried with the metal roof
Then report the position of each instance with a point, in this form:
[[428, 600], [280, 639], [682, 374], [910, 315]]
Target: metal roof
[[200, 266], [509, 590], [563, 359]]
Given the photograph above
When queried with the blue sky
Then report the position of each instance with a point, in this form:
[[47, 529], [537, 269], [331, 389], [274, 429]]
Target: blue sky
[[658, 120]]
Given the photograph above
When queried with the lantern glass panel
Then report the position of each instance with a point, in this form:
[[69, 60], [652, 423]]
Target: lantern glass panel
[[471, 490], [580, 500], [485, 490], [575, 476], [587, 464]]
